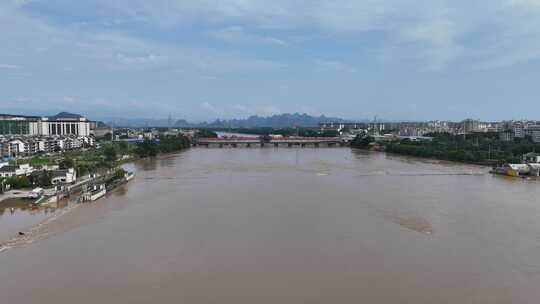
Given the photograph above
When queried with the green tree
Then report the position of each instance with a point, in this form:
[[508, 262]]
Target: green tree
[[146, 148], [110, 154], [362, 142], [107, 136], [41, 178], [18, 182], [66, 163], [330, 133], [205, 133]]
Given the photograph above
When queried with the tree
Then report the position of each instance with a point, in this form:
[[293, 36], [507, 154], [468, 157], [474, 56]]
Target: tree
[[18, 182], [110, 154], [107, 136], [146, 148], [330, 133], [123, 146], [205, 133], [66, 163], [41, 178], [362, 142]]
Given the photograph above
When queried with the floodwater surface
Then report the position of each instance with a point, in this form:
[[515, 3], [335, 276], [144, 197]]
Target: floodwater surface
[[288, 226]]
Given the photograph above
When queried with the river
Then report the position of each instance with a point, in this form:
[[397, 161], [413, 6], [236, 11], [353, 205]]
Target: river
[[329, 225]]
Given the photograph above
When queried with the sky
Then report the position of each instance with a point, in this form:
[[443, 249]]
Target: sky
[[206, 59]]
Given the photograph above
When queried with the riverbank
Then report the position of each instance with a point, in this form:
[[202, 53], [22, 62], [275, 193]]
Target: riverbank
[[34, 220], [481, 164], [50, 207], [485, 149]]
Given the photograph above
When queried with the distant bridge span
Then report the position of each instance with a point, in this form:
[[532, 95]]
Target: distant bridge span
[[274, 142]]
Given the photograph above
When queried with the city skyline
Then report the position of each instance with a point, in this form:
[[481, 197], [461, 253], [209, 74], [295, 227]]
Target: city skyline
[[202, 60]]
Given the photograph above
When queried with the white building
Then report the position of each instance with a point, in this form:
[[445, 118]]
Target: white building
[[61, 124], [532, 157], [9, 171], [519, 130], [63, 176]]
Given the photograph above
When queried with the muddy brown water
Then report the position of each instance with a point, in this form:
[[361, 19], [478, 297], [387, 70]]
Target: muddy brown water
[[287, 226]]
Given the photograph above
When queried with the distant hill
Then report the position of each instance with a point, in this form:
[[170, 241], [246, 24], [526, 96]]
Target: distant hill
[[275, 121], [62, 115], [135, 122]]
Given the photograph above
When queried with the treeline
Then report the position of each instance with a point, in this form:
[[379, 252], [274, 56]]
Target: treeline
[[106, 157], [432, 151], [164, 145], [362, 142], [16, 182], [480, 148], [205, 133]]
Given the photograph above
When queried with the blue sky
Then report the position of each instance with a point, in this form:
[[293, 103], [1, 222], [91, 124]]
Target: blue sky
[[203, 59]]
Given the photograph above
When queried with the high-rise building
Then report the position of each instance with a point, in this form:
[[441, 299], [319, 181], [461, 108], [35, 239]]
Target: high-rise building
[[470, 125]]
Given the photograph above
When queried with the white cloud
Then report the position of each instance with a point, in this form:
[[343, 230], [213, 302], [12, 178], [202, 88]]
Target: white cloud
[[334, 65], [206, 106], [238, 35], [436, 32], [241, 108], [270, 42], [9, 66]]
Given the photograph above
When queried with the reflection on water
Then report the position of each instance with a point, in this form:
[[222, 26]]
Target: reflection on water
[[288, 226]]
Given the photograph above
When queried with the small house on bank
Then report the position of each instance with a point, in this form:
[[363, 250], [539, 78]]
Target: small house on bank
[[63, 176], [531, 158]]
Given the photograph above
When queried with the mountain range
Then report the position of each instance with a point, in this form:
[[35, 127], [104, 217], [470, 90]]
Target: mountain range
[[275, 121]]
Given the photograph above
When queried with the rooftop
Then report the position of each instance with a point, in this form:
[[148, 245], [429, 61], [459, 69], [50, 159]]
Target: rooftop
[[8, 168], [65, 115]]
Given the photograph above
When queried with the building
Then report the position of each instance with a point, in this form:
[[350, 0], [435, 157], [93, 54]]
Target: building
[[102, 131], [470, 125], [519, 130], [9, 171], [61, 124], [15, 146], [507, 135], [341, 126], [533, 131], [63, 176], [532, 158]]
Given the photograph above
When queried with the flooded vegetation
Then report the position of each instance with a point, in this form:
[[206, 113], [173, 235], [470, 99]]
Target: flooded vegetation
[[283, 225]]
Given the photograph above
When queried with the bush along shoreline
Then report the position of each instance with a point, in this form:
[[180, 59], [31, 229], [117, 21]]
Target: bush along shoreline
[[479, 148], [169, 144]]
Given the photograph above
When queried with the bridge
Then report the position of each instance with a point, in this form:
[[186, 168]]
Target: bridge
[[248, 142]]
